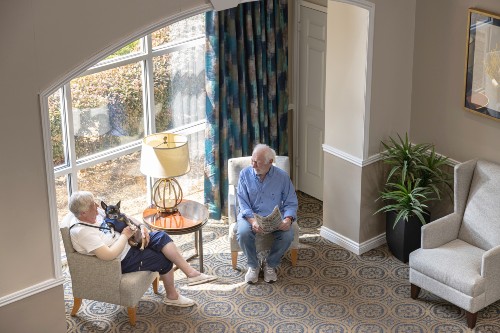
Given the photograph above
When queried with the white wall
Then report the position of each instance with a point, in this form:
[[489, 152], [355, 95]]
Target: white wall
[[346, 77], [40, 42]]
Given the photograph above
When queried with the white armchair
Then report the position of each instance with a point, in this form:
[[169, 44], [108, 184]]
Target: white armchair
[[459, 259], [235, 165]]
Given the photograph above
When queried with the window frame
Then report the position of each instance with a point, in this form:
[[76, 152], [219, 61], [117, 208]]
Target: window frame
[[46, 133], [146, 57]]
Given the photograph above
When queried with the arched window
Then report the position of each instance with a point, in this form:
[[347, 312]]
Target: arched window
[[97, 120]]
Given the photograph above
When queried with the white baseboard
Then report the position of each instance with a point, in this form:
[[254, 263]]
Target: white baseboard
[[30, 291], [351, 245]]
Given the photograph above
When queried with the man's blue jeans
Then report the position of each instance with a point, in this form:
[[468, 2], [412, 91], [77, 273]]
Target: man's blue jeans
[[246, 239]]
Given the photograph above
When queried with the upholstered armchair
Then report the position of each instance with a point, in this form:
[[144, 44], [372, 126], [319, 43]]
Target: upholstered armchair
[[459, 259], [263, 242], [103, 281]]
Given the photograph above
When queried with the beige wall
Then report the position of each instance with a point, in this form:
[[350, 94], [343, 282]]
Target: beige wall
[[40, 313], [438, 83], [41, 41], [390, 112], [391, 86], [341, 198], [417, 87]]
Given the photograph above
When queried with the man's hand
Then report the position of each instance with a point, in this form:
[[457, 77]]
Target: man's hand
[[285, 224], [255, 226]]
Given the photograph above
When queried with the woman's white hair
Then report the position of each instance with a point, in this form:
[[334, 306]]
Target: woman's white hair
[[269, 152], [80, 202]]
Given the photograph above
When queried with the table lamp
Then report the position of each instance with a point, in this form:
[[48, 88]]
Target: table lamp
[[165, 156]]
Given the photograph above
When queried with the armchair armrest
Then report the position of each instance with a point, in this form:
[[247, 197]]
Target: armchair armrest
[[441, 231], [490, 264], [490, 272], [231, 205]]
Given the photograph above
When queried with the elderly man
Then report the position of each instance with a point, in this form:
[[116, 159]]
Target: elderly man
[[89, 237], [262, 187]]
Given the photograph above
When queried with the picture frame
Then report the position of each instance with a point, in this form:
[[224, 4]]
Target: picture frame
[[482, 64]]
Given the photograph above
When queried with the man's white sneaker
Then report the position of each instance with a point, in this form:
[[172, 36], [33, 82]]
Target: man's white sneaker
[[269, 274], [252, 275]]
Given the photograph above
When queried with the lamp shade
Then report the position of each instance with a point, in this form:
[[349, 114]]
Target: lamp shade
[[165, 155]]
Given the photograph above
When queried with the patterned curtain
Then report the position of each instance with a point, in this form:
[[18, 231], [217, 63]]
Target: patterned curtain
[[246, 83]]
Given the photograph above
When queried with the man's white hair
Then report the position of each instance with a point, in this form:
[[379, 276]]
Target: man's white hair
[[80, 202], [269, 152]]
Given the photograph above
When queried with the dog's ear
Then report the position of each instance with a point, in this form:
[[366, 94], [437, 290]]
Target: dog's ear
[[103, 205], [118, 204]]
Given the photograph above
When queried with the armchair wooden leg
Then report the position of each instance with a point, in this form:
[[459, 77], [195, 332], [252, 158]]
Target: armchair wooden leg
[[155, 285], [234, 258], [77, 302], [415, 290], [131, 315], [294, 254], [471, 319]]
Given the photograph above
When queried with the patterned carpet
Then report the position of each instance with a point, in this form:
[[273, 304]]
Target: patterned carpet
[[330, 290]]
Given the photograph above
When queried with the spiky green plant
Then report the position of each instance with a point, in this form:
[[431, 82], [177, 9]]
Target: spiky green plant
[[407, 199], [416, 177]]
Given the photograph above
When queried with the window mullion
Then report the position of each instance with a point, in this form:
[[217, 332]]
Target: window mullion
[[149, 112], [69, 140], [148, 82], [177, 47]]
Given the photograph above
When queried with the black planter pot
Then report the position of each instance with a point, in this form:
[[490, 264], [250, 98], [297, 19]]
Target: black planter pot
[[405, 237]]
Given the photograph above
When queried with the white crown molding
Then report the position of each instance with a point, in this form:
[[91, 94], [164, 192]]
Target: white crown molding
[[372, 159], [350, 158], [351, 245], [30, 291]]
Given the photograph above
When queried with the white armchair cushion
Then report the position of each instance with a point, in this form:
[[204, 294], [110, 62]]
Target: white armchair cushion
[[463, 262]]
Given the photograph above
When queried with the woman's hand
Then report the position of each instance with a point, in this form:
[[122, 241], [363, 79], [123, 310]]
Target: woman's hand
[[145, 235], [128, 232]]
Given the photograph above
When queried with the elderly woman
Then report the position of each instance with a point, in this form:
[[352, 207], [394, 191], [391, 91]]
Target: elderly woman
[[88, 237]]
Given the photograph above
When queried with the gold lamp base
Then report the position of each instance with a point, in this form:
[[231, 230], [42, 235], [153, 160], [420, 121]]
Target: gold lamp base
[[167, 195]]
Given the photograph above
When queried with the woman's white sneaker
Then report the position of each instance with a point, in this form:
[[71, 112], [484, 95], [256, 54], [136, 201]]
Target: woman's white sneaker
[[181, 301]]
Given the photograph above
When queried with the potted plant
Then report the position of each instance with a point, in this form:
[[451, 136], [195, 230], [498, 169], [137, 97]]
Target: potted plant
[[416, 177]]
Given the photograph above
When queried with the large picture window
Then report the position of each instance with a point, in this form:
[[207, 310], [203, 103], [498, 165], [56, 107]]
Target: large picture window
[[97, 120]]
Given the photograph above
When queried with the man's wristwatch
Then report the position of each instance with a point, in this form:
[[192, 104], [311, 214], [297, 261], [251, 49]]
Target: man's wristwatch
[[291, 218]]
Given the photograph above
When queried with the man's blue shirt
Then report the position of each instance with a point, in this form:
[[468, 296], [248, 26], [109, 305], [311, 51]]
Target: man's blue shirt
[[260, 198]]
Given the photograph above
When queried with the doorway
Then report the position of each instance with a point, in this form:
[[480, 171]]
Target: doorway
[[311, 94]]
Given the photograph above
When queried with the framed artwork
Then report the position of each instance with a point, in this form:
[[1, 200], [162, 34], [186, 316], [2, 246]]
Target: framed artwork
[[482, 73]]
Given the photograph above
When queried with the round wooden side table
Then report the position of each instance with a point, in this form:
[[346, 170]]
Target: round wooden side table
[[190, 217]]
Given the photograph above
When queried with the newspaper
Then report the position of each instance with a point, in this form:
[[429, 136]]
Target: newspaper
[[270, 222]]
